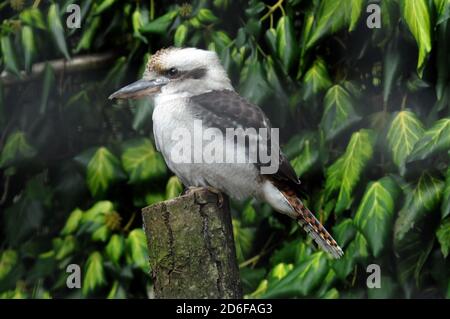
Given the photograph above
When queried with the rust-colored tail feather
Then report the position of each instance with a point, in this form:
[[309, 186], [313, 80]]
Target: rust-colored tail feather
[[313, 227]]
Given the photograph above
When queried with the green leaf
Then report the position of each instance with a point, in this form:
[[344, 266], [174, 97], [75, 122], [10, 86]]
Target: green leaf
[[57, 29], [391, 66], [445, 208], [339, 113], [29, 46], [8, 260], [141, 161], [253, 84], [343, 175], [16, 149], [115, 248], [375, 214], [344, 232], [137, 253], [307, 158], [286, 43], [72, 222], [279, 271], [356, 251], [404, 132], [271, 39], [9, 56], [103, 169], [356, 7], [94, 276], [88, 36], [302, 280], [443, 236], [415, 226], [101, 234], [66, 247], [243, 238], [47, 88], [104, 5], [173, 187], [333, 15], [316, 79], [180, 35], [206, 16], [435, 139], [33, 17], [417, 16], [161, 24]]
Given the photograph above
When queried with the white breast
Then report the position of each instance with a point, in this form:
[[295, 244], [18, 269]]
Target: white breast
[[238, 180]]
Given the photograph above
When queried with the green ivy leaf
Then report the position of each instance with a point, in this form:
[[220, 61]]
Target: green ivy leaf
[[72, 222], [173, 187], [16, 149], [29, 46], [391, 65], [9, 56], [435, 139], [94, 276], [307, 158], [137, 253], [66, 247], [415, 226], [141, 161], [253, 85], [287, 49], [103, 169], [243, 238], [405, 130], [375, 214], [88, 36], [417, 16], [8, 260], [339, 113], [316, 79], [356, 8], [302, 280], [57, 29], [344, 174], [445, 208], [161, 24], [279, 272], [344, 232], [33, 17], [206, 16], [443, 236], [47, 88], [180, 35], [329, 18], [115, 248], [356, 251]]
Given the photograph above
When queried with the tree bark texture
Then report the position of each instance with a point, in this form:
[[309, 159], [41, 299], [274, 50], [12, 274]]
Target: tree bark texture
[[191, 247]]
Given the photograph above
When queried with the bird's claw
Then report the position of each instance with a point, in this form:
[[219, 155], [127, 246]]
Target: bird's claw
[[220, 197]]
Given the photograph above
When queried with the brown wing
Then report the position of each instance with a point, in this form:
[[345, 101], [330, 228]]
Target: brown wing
[[226, 109]]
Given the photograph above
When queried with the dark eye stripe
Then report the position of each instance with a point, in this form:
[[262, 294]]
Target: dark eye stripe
[[196, 74]]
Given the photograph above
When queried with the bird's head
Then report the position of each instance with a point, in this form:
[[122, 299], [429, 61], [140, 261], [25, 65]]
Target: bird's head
[[184, 71]]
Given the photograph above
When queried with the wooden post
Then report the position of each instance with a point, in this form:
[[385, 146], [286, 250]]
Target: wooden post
[[191, 247]]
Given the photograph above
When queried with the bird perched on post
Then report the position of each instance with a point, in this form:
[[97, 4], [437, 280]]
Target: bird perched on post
[[190, 86]]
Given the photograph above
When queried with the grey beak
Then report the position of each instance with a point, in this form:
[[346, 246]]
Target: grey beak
[[140, 88]]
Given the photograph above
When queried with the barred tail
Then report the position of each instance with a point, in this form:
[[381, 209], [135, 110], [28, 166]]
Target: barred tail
[[314, 228]]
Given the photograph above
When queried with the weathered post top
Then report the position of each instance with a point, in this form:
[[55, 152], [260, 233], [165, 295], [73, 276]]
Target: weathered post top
[[191, 247]]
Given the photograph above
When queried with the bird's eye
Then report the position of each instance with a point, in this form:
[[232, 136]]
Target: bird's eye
[[172, 72]]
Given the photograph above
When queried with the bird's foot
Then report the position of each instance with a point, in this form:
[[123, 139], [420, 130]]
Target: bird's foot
[[220, 198]]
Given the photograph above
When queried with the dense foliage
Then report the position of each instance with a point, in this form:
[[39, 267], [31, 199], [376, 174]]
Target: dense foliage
[[364, 115]]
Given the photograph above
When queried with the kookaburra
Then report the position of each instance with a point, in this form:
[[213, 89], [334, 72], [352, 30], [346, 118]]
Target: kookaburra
[[188, 85]]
